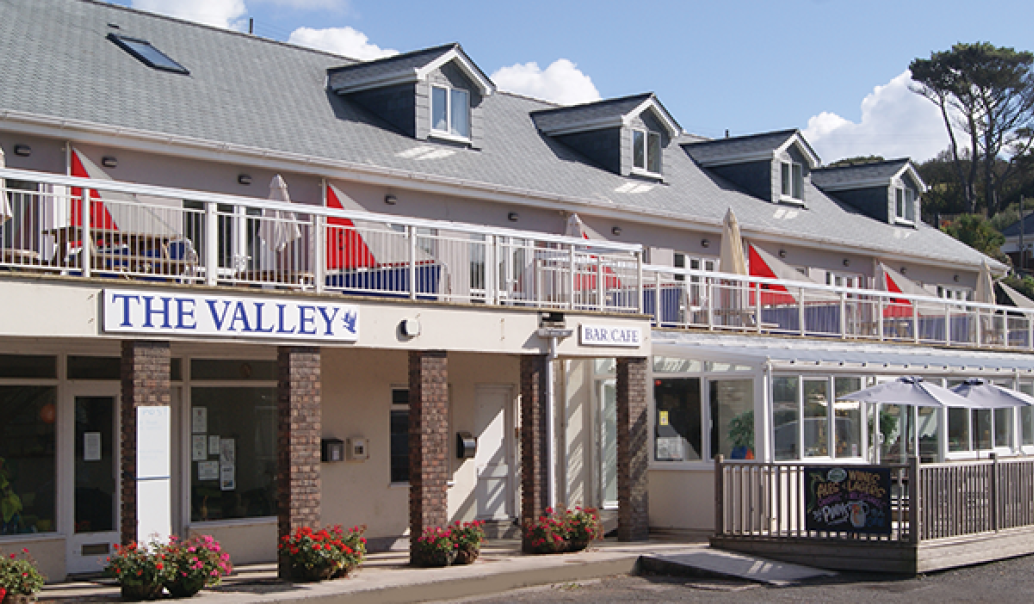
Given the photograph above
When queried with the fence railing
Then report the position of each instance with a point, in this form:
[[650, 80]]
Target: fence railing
[[755, 500], [928, 501], [688, 298], [102, 228]]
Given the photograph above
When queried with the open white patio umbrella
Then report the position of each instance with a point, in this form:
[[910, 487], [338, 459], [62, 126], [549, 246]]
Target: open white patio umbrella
[[986, 395], [985, 291]]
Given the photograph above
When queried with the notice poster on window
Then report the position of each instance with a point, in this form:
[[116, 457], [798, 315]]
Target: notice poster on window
[[199, 420], [92, 446], [198, 448], [227, 477], [669, 448], [847, 500], [208, 470], [227, 464], [213, 445]]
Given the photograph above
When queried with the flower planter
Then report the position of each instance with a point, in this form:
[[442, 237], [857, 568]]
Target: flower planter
[[467, 555], [435, 559], [303, 574], [18, 599], [136, 592], [185, 587], [577, 546]]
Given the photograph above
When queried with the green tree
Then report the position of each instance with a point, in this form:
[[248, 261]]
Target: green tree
[[975, 231], [857, 161], [987, 93]]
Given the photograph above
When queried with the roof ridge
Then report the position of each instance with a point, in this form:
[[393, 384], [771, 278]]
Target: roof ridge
[[642, 95], [866, 164], [730, 139]]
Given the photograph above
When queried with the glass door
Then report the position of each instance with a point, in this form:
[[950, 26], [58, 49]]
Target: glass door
[[95, 496], [608, 444]]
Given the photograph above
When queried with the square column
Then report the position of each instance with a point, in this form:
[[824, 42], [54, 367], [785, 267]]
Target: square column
[[298, 395], [146, 382], [534, 444], [428, 441], [633, 450]]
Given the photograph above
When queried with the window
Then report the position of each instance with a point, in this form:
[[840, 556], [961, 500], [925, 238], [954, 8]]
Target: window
[[28, 465], [830, 428], [960, 294], [233, 457], [147, 54], [678, 422], [399, 435], [450, 111], [793, 181], [852, 280], [1027, 416], [646, 151], [732, 418], [904, 204]]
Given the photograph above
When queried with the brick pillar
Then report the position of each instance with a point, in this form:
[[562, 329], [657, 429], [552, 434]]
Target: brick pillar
[[633, 450], [298, 394], [534, 451], [428, 441], [146, 381]]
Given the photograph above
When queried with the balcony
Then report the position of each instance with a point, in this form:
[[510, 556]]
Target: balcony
[[93, 228]]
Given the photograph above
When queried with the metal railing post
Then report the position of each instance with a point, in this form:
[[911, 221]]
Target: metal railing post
[[319, 271], [211, 259], [657, 299], [757, 305], [411, 232], [915, 321], [801, 322], [639, 281], [600, 302], [572, 276], [979, 329], [879, 317], [947, 324], [1030, 330], [995, 503], [86, 242], [710, 303], [491, 283], [843, 315]]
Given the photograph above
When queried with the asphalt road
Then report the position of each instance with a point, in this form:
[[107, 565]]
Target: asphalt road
[[1006, 582]]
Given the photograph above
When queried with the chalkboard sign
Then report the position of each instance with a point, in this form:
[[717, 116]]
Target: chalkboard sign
[[847, 500]]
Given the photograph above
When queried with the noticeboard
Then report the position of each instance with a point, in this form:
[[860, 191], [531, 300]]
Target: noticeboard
[[847, 500]]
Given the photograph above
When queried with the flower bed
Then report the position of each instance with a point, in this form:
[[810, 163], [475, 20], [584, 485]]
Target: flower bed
[[563, 530], [19, 577]]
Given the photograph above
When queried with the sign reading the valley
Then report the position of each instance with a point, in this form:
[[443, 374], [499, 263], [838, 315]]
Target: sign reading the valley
[[847, 500]]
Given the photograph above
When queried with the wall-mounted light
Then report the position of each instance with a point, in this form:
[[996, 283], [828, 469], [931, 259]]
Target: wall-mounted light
[[616, 231], [705, 243], [244, 179], [904, 270], [410, 327], [956, 278], [513, 216], [109, 161], [391, 200], [847, 262], [23, 150], [782, 253]]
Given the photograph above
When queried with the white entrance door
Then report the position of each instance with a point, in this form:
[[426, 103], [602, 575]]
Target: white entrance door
[[93, 517], [493, 426], [608, 444]]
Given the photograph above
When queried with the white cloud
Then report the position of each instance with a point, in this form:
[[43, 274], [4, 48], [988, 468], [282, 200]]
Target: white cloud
[[895, 122], [227, 14], [561, 82], [340, 40]]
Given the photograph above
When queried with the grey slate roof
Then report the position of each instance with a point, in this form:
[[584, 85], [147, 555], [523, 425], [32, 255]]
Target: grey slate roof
[[847, 175], [1014, 229], [394, 66], [561, 118], [55, 63], [740, 146]]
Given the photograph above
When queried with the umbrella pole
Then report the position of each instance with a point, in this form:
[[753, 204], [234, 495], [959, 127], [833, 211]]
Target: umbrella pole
[[877, 435]]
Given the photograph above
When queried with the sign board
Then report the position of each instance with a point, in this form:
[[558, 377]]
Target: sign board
[[211, 314], [610, 335], [847, 500]]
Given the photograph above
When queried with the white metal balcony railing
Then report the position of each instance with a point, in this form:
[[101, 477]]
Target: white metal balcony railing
[[173, 235], [102, 228]]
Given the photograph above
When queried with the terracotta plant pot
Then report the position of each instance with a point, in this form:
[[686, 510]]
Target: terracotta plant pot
[[577, 546], [185, 587], [135, 592]]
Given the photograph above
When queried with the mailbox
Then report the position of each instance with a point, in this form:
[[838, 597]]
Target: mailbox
[[332, 449], [466, 445], [357, 449]]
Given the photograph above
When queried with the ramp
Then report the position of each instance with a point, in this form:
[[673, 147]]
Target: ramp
[[709, 562]]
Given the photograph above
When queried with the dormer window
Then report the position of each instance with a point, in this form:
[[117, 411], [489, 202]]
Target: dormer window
[[450, 112], [793, 181], [646, 151], [904, 205]]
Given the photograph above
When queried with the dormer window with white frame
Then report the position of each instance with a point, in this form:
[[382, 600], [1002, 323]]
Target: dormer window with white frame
[[792, 182], [904, 205], [450, 112], [646, 152]]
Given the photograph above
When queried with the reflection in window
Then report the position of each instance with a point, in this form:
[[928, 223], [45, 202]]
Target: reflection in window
[[1003, 427], [678, 429], [847, 424], [27, 460], [816, 418], [233, 453], [785, 397], [450, 111], [399, 435], [981, 419], [1027, 416], [732, 418], [958, 430]]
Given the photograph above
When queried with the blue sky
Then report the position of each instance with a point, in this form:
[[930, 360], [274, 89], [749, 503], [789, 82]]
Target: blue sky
[[834, 69]]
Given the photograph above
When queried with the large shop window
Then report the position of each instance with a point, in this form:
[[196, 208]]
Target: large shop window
[[678, 420], [27, 459], [233, 452], [399, 435], [808, 422], [732, 418]]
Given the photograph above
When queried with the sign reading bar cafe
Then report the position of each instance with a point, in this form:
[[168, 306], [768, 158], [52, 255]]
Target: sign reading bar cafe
[[192, 314], [610, 335], [847, 500]]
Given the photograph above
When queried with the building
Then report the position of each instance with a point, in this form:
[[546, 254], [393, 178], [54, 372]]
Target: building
[[475, 304]]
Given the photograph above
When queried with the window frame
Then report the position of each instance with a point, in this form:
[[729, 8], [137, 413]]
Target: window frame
[[393, 408], [647, 136], [791, 176], [448, 133], [830, 423], [904, 205]]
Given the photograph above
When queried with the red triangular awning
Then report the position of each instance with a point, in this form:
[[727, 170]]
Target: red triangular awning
[[345, 246], [898, 307], [771, 293], [100, 218]]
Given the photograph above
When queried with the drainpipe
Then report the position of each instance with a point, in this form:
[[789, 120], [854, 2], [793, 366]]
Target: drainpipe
[[554, 335]]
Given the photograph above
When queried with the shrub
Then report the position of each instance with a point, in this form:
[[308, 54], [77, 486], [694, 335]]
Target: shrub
[[199, 559], [19, 575], [137, 564]]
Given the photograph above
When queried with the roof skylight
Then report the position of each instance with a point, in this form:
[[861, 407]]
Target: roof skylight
[[148, 54]]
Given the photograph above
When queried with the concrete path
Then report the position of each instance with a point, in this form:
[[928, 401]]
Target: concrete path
[[387, 577], [709, 562]]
